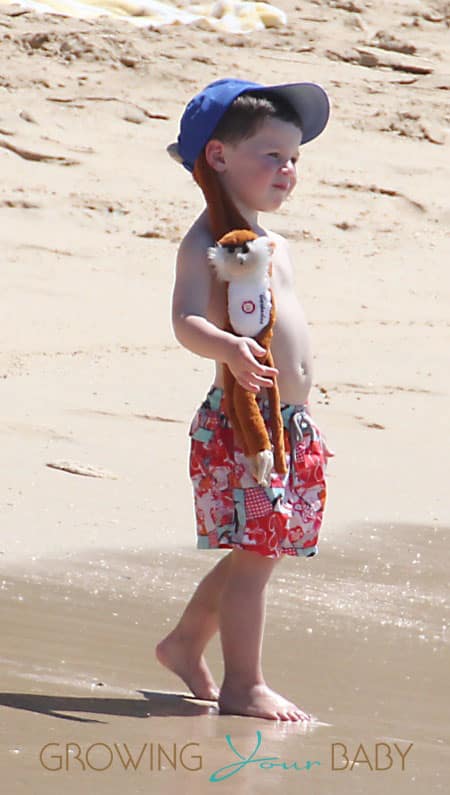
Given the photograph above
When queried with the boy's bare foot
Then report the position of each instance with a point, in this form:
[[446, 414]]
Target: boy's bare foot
[[259, 701], [175, 654]]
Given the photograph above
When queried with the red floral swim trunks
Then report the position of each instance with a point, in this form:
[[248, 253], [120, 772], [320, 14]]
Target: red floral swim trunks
[[232, 509]]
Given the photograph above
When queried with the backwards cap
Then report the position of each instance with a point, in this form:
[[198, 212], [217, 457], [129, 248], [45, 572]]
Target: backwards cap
[[204, 111]]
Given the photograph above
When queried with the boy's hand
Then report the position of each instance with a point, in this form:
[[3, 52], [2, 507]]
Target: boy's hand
[[248, 372]]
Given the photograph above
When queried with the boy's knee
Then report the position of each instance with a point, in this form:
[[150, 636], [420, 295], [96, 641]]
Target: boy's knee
[[251, 559]]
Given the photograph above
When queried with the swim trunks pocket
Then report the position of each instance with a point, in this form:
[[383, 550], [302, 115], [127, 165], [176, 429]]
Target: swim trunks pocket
[[308, 460], [211, 467], [203, 425], [209, 453]]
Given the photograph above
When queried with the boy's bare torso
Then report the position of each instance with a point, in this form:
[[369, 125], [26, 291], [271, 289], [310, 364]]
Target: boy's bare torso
[[291, 345]]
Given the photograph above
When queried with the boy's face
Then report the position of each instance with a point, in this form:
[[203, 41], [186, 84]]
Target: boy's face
[[260, 171]]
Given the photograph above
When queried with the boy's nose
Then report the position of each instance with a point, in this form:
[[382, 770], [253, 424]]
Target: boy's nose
[[287, 167]]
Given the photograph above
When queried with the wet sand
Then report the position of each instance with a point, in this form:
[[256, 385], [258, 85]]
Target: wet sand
[[362, 646]]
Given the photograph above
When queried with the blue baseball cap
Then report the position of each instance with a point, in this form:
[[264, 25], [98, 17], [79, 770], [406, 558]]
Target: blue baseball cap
[[205, 110]]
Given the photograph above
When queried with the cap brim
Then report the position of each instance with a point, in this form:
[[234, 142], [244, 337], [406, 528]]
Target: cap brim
[[172, 150], [311, 103]]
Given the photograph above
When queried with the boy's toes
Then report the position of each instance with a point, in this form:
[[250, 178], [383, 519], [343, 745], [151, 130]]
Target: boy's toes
[[286, 713], [295, 713]]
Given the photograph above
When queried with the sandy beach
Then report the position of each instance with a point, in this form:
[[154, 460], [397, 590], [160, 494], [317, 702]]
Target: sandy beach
[[97, 539]]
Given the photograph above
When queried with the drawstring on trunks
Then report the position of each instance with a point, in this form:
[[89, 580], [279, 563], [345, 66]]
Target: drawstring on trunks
[[299, 425]]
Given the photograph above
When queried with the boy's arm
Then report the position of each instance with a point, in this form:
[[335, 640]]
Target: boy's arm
[[190, 301]]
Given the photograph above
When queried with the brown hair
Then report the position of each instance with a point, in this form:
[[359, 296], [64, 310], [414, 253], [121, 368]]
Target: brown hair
[[248, 112]]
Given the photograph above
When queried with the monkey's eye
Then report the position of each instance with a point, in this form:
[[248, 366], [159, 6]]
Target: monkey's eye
[[245, 248], [230, 249]]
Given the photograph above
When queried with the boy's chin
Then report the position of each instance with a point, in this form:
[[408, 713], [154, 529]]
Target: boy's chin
[[266, 204], [272, 204]]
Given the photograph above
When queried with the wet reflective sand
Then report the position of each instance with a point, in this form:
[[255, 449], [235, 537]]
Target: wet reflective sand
[[364, 648]]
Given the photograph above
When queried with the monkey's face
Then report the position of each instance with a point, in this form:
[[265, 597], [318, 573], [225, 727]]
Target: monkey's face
[[248, 260]]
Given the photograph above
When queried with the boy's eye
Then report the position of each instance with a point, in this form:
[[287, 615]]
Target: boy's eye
[[277, 154]]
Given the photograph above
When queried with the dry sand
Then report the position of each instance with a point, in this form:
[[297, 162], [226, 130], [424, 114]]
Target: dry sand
[[95, 569]]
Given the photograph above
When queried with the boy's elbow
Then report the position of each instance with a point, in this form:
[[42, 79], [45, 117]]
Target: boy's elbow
[[179, 325], [185, 327], [177, 318]]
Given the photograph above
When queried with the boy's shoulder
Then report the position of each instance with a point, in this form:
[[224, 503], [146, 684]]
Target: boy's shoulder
[[198, 234], [276, 237], [193, 265]]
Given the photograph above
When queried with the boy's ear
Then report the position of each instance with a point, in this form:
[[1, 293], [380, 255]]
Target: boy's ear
[[214, 154]]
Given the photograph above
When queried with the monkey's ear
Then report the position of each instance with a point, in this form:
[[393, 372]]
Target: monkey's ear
[[211, 253]]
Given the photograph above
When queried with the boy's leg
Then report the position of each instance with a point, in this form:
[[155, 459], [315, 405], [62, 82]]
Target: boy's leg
[[242, 615], [181, 650]]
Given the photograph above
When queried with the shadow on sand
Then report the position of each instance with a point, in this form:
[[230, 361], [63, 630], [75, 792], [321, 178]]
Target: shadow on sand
[[154, 704]]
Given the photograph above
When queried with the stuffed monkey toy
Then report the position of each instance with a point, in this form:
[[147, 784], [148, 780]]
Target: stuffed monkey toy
[[242, 261]]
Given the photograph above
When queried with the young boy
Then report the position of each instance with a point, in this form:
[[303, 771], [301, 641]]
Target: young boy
[[249, 137]]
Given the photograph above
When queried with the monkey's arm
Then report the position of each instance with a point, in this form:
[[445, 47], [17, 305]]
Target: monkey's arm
[[257, 442]]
